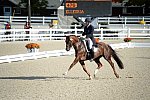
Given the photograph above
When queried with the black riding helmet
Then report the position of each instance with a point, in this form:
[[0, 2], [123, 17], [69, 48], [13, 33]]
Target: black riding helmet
[[88, 20]]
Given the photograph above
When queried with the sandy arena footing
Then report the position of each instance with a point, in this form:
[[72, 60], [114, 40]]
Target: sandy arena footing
[[42, 79]]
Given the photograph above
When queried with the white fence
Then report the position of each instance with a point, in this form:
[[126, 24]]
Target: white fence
[[36, 55], [57, 53], [57, 34], [23, 19], [123, 20], [103, 20]]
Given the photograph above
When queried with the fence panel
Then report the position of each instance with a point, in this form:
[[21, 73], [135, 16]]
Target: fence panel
[[57, 34]]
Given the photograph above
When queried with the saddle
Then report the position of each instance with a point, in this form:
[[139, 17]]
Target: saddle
[[90, 49]]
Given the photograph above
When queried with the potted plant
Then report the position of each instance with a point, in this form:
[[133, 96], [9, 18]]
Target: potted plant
[[32, 47], [127, 39], [142, 22]]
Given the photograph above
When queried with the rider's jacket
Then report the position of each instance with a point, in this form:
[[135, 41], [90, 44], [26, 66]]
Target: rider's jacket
[[88, 31]]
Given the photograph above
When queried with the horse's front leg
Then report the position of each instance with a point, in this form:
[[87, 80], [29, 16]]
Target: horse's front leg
[[73, 63], [84, 68]]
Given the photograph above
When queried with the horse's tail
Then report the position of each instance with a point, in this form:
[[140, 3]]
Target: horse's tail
[[116, 58]]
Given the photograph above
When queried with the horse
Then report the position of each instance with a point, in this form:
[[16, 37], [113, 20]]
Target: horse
[[103, 50]]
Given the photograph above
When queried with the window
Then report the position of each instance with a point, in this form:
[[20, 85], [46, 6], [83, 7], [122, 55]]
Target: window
[[7, 9]]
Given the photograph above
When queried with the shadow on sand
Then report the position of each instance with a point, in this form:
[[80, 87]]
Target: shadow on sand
[[47, 78], [41, 78]]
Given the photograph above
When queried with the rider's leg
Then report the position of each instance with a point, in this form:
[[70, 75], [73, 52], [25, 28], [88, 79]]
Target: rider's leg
[[93, 40]]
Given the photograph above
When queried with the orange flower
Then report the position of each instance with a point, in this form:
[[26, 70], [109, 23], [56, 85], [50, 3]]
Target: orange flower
[[32, 45], [96, 40], [127, 39]]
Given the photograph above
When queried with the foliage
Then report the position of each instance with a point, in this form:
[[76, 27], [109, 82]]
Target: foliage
[[142, 22], [138, 2], [37, 6], [117, 1], [32, 45], [127, 39]]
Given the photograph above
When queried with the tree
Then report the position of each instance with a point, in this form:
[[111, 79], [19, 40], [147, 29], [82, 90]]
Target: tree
[[117, 1], [144, 3], [37, 6]]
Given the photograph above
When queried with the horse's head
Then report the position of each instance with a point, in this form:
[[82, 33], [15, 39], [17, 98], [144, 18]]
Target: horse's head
[[70, 41]]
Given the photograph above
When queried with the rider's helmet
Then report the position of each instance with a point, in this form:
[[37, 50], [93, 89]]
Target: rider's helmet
[[88, 20]]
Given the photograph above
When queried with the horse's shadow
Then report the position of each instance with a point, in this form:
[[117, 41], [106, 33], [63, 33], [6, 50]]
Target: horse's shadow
[[48, 78], [41, 78], [143, 57]]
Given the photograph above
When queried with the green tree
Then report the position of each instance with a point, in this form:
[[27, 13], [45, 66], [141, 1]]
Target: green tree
[[117, 1], [37, 6], [144, 3]]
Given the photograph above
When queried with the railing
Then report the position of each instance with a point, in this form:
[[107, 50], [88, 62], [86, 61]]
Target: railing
[[57, 34], [102, 20], [123, 20], [36, 55], [23, 19], [57, 53]]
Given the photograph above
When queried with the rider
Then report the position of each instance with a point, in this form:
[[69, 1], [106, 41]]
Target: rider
[[88, 32]]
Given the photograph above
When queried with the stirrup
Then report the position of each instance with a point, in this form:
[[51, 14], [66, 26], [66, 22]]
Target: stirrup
[[91, 60]]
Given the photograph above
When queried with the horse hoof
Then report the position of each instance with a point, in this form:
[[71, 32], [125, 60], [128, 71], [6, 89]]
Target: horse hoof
[[90, 78], [65, 73], [117, 76], [94, 76]]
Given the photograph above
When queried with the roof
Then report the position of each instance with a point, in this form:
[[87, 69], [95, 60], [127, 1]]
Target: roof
[[52, 4]]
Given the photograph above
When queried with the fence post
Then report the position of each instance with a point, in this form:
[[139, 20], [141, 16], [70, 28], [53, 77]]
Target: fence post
[[43, 20], [125, 20], [143, 18], [108, 20], [129, 31], [102, 32], [30, 34], [27, 19], [50, 34], [99, 26], [76, 30], [14, 35], [10, 19]]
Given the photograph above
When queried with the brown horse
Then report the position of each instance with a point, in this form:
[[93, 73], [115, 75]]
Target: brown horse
[[104, 50]]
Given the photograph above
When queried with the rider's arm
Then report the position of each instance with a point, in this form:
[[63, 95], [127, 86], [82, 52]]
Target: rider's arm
[[91, 30], [84, 32]]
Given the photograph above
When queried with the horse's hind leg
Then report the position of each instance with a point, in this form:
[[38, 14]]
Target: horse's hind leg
[[84, 68], [99, 66], [112, 65]]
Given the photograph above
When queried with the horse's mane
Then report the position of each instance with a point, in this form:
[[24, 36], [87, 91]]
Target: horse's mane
[[75, 38]]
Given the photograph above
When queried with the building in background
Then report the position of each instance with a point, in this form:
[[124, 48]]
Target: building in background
[[11, 8]]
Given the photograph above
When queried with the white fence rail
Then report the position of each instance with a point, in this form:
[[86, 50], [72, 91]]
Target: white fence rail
[[23, 19], [57, 34], [123, 20], [103, 20], [57, 53], [36, 55]]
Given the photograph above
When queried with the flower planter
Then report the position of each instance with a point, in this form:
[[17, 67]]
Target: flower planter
[[127, 39], [32, 50], [32, 47], [142, 22]]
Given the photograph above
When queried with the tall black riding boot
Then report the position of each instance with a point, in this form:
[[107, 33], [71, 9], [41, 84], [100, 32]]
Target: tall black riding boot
[[92, 53]]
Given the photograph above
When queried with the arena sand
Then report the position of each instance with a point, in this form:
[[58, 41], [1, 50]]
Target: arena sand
[[42, 79]]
